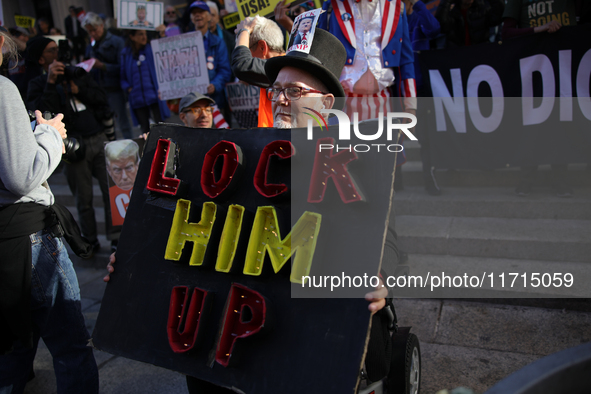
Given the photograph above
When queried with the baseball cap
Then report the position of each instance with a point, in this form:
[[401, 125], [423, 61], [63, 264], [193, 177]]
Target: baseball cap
[[199, 4], [191, 98]]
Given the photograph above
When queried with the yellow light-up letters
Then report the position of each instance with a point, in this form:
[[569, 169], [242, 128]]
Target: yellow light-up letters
[[229, 241], [182, 231], [265, 237]]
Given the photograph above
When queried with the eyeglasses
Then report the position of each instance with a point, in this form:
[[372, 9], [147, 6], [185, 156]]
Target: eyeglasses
[[170, 13], [197, 111], [292, 93], [52, 50]]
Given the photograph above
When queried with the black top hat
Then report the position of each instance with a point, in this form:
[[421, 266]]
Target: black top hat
[[325, 61]]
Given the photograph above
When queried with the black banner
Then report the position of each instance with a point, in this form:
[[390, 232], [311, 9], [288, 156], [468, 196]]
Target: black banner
[[521, 102]]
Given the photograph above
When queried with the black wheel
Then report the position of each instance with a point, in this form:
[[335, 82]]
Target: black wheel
[[405, 369]]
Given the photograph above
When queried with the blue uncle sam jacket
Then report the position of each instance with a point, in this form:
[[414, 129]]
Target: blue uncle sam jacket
[[396, 45]]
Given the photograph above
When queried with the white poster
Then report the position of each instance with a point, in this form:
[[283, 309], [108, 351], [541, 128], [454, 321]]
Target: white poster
[[180, 65], [302, 32], [139, 15]]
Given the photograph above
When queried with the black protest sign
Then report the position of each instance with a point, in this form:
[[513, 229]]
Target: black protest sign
[[204, 283], [243, 100], [231, 20], [522, 103]]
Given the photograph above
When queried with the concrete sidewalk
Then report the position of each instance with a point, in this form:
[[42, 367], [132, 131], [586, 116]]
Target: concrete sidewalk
[[471, 344]]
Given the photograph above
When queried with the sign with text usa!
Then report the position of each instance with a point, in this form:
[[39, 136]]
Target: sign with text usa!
[[219, 245]]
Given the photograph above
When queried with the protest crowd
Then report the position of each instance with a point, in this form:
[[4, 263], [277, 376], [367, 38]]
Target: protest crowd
[[114, 94]]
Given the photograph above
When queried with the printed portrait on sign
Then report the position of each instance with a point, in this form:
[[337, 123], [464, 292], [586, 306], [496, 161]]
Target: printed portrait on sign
[[139, 15], [122, 159], [302, 33]]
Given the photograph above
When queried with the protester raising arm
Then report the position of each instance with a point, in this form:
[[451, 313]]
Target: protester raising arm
[[245, 66]]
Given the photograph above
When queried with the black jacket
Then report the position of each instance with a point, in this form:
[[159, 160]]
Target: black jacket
[[248, 68], [56, 98], [482, 15], [68, 22]]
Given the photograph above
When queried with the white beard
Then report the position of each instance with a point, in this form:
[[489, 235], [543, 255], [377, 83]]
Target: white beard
[[281, 124]]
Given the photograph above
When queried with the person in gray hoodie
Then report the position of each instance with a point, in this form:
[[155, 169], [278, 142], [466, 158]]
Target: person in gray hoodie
[[39, 292]]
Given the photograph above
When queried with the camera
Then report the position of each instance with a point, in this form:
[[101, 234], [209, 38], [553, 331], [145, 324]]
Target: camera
[[75, 150], [65, 56]]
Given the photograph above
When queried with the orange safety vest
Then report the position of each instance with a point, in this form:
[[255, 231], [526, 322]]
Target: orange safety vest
[[265, 110]]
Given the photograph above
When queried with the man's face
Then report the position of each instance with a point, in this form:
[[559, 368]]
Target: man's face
[[305, 25], [288, 114], [44, 26], [140, 38], [215, 19], [123, 172], [170, 15], [191, 117], [96, 33], [141, 14], [200, 18], [50, 53]]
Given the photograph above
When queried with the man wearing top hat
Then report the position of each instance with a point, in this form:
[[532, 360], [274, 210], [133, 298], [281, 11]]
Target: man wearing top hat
[[311, 73]]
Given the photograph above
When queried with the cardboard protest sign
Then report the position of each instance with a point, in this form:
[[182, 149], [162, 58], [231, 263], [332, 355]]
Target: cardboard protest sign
[[180, 65], [139, 15], [244, 103], [231, 20], [122, 159], [248, 8], [302, 32], [204, 284], [24, 21]]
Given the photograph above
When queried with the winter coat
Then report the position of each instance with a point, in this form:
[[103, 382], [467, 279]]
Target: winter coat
[[141, 79], [107, 51]]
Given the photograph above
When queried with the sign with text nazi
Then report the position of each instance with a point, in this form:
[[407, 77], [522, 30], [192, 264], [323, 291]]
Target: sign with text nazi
[[180, 65]]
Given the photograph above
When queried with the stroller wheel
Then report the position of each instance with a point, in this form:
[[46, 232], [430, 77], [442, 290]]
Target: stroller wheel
[[405, 370]]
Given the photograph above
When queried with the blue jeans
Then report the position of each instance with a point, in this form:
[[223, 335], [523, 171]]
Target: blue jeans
[[118, 103], [58, 319]]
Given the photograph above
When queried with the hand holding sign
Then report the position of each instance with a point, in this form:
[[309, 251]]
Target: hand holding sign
[[282, 15]]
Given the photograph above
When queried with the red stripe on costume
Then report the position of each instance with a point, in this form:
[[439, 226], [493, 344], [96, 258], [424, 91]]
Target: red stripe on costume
[[389, 20], [359, 102], [396, 18], [385, 17], [218, 119], [337, 10], [409, 88]]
